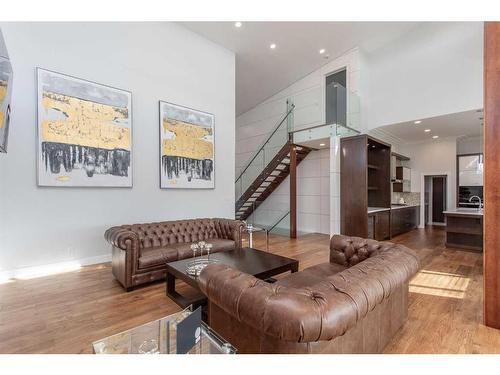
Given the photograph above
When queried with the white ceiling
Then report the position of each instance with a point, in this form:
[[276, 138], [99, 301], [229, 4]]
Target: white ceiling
[[459, 124], [262, 72]]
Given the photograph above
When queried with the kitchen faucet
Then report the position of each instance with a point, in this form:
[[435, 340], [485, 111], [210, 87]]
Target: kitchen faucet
[[478, 197]]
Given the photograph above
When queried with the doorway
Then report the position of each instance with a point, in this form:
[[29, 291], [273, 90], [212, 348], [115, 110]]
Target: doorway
[[435, 199]]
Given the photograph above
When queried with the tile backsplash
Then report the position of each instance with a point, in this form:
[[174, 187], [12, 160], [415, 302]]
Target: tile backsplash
[[410, 198]]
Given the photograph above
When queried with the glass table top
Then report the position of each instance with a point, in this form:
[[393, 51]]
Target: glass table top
[[159, 337]]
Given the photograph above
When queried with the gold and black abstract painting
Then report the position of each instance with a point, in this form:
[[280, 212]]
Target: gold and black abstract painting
[[84, 132], [5, 96], [186, 147]]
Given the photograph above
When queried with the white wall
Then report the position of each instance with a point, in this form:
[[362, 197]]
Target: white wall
[[470, 145], [435, 69], [254, 126], [313, 197], [433, 157], [152, 60]]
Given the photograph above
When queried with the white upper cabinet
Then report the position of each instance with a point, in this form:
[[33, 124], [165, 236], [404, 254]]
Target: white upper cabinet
[[470, 170]]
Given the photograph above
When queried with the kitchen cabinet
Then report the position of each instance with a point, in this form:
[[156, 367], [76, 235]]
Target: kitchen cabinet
[[379, 225], [400, 173], [470, 170], [469, 179], [403, 180], [394, 164], [365, 165], [404, 219], [403, 173]]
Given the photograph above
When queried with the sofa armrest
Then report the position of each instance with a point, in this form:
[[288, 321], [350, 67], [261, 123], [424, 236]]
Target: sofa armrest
[[348, 250], [122, 238], [288, 314], [231, 229]]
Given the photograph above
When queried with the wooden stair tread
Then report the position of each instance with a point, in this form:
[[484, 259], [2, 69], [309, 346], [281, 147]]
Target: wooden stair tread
[[268, 180]]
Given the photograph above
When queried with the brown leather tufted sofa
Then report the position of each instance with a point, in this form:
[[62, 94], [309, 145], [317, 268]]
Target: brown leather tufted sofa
[[140, 251], [353, 304]]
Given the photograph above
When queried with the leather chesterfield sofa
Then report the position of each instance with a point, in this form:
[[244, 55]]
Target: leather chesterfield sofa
[[140, 251], [353, 304]]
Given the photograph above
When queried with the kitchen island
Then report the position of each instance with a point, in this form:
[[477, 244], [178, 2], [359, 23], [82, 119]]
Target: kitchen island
[[464, 228]]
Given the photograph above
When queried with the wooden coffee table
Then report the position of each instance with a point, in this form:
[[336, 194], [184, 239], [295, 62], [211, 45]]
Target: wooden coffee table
[[260, 264]]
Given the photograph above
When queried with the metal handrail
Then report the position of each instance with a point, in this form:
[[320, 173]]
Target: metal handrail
[[292, 106], [319, 126]]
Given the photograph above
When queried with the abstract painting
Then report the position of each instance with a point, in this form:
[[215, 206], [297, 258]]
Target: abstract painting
[[186, 147], [5, 94], [84, 132]]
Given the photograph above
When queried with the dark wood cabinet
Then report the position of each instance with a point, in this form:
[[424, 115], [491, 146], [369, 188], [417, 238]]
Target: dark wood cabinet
[[371, 226], [365, 165], [382, 226], [464, 231], [404, 219], [379, 225]]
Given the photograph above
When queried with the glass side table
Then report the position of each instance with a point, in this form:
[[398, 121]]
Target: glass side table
[[250, 229], [159, 337]]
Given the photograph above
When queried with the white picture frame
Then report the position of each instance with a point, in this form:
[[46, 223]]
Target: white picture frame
[[187, 147], [84, 132]]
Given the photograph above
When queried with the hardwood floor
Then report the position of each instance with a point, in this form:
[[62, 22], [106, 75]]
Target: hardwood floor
[[446, 300], [65, 313]]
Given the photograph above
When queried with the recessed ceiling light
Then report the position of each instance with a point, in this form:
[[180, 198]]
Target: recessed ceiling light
[[321, 144], [237, 24], [435, 136], [418, 122], [321, 51], [272, 46], [427, 130]]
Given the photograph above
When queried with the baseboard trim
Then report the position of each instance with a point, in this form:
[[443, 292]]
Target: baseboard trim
[[438, 224], [45, 268]]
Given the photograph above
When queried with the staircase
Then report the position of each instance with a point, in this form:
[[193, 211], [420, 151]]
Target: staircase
[[269, 179], [281, 152]]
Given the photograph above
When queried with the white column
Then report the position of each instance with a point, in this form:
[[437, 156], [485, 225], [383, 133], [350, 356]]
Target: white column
[[334, 185]]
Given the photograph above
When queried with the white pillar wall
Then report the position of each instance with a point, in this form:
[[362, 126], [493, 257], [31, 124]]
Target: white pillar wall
[[334, 185]]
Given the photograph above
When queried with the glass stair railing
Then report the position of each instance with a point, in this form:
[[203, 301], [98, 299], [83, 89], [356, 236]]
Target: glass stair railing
[[273, 174], [303, 121], [265, 157], [281, 226], [322, 132], [311, 122], [266, 152]]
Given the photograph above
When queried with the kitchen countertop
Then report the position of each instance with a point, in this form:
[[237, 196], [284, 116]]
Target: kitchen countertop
[[398, 206], [464, 211], [372, 210]]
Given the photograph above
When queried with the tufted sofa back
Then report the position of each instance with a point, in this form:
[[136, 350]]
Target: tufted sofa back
[[180, 231], [130, 243], [348, 251], [324, 310]]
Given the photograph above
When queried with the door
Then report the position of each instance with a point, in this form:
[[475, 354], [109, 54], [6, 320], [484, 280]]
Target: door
[[427, 200], [438, 198]]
